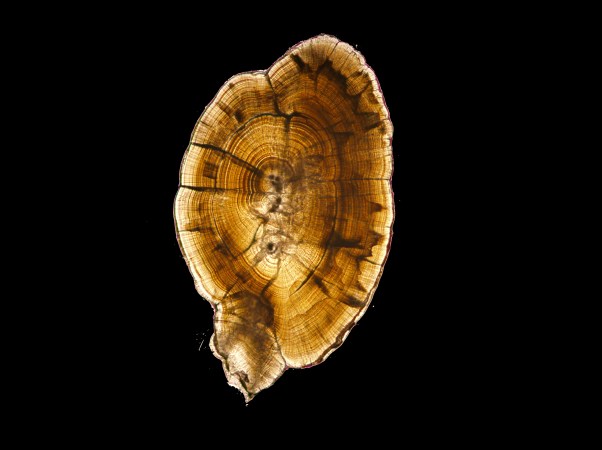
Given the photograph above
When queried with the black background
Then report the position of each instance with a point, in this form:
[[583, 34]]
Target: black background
[[422, 355]]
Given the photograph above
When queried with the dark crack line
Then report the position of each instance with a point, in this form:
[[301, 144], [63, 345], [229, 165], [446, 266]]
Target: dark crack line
[[276, 106], [317, 266], [372, 262], [287, 117], [236, 159], [271, 281], [337, 286], [317, 179], [252, 242], [227, 292], [208, 189], [311, 274], [324, 196]]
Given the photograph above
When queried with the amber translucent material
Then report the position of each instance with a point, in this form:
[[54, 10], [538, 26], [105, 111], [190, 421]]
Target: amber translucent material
[[285, 209]]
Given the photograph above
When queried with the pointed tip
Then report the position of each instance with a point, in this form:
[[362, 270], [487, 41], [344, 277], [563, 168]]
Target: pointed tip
[[248, 397]]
